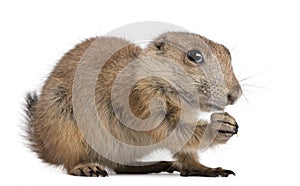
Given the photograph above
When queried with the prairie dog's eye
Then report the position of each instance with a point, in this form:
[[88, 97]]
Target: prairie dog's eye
[[195, 56]]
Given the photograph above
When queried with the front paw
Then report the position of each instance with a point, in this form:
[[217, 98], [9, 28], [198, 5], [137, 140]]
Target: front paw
[[223, 126]]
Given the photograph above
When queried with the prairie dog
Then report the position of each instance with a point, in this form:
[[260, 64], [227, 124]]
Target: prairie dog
[[185, 74]]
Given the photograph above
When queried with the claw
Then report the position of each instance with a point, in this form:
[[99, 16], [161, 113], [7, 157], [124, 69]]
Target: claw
[[88, 170]]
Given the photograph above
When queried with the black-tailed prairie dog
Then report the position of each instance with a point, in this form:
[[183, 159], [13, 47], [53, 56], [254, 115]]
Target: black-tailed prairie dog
[[191, 74]]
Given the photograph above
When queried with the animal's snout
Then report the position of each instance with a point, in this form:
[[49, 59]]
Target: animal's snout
[[234, 94]]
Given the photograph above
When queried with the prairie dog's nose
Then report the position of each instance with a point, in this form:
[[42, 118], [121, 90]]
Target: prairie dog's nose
[[234, 94]]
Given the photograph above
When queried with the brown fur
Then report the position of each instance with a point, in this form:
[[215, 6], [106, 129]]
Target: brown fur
[[56, 138]]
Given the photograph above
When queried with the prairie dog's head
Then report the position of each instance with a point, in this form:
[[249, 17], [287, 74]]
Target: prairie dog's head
[[207, 64]]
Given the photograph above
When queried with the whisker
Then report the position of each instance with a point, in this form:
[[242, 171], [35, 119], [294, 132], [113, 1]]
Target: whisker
[[247, 78], [244, 96], [248, 91], [253, 86], [235, 45]]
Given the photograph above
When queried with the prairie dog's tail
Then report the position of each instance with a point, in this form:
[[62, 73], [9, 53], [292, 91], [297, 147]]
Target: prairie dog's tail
[[31, 100]]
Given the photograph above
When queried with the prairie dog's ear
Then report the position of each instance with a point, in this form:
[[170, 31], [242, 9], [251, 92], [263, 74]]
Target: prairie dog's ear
[[160, 44]]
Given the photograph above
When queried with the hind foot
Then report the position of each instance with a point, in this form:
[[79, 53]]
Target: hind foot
[[88, 170]]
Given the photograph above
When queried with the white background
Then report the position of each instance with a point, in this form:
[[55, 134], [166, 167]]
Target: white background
[[262, 35]]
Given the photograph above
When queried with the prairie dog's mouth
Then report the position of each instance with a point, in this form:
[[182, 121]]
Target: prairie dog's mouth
[[213, 107], [204, 116]]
